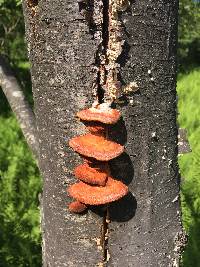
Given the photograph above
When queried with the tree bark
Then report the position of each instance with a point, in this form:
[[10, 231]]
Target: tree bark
[[145, 228]]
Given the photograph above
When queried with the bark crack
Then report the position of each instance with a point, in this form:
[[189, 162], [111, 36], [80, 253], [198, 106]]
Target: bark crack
[[104, 237], [102, 17], [108, 85], [103, 60], [32, 4]]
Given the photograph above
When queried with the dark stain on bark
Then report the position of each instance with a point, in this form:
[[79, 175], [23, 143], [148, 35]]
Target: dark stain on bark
[[32, 3]]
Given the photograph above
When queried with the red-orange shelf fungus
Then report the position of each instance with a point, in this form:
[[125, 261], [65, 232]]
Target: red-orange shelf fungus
[[77, 207], [96, 127], [96, 187], [91, 175], [97, 195], [107, 116], [97, 147]]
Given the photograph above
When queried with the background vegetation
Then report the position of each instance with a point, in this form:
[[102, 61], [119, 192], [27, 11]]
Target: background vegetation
[[20, 182], [189, 118]]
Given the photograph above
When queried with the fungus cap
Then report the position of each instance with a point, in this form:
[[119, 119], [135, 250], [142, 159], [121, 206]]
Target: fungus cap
[[96, 127], [77, 207], [96, 195], [97, 175], [107, 116], [97, 147]]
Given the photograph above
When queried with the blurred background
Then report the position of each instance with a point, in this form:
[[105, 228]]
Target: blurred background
[[20, 181]]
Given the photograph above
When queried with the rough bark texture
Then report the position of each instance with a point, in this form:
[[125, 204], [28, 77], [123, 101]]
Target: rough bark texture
[[145, 228], [153, 236], [61, 52], [19, 105]]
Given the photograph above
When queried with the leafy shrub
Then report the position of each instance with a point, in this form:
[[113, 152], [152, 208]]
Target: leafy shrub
[[188, 34], [19, 186]]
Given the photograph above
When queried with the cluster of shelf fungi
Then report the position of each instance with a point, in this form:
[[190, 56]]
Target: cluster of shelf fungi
[[96, 186]]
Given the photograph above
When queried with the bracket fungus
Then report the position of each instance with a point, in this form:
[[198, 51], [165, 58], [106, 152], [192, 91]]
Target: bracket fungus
[[97, 128], [96, 175], [77, 207], [98, 195], [96, 187], [95, 146], [100, 114]]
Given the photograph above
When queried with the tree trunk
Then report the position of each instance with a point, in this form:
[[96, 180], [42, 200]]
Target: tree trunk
[[145, 227]]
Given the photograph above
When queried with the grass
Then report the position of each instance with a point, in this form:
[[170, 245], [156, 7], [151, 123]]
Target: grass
[[188, 88]]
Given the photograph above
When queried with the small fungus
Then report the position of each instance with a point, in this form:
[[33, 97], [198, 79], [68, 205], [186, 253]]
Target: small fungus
[[77, 207], [97, 147], [107, 116], [91, 175], [97, 128], [97, 195]]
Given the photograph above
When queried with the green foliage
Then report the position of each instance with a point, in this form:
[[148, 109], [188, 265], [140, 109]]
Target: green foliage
[[20, 182], [189, 108], [12, 45], [189, 33], [12, 31], [23, 75], [19, 186]]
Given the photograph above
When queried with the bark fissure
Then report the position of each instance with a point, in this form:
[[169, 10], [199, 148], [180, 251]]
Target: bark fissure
[[105, 40], [101, 57], [104, 237], [110, 49], [32, 4], [107, 81], [102, 79]]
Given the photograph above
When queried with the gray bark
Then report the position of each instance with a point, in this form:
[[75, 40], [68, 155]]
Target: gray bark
[[19, 105], [145, 228]]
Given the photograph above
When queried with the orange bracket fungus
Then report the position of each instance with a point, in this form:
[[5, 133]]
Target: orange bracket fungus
[[91, 175], [95, 146], [98, 195], [77, 207], [96, 187], [110, 116]]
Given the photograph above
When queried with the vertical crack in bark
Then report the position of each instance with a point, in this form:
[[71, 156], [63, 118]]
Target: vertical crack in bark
[[104, 237], [107, 83], [101, 59], [32, 4], [105, 28], [105, 229], [103, 20]]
